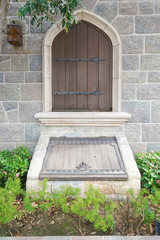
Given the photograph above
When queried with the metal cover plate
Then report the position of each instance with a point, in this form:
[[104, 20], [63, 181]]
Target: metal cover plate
[[82, 159]]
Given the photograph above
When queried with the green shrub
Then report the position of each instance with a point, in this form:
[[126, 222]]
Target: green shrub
[[14, 164], [149, 166]]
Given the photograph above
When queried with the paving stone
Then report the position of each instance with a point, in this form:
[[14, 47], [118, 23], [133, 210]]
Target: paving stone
[[19, 63], [148, 92], [150, 62], [14, 77], [128, 8], [132, 44], [5, 63], [7, 48], [7, 146], [107, 10], [146, 7], [88, 5], [157, 7], [154, 77], [3, 116], [130, 62], [155, 111], [35, 62], [33, 77], [147, 24], [13, 116], [1, 77], [13, 8], [27, 110], [152, 44], [32, 44], [132, 132], [9, 92], [32, 132], [31, 92], [10, 106], [139, 110], [88, 238], [124, 24], [128, 91], [11, 132], [151, 133], [134, 77], [34, 29], [138, 147], [58, 238]]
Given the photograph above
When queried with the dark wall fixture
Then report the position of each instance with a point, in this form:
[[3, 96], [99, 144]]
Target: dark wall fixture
[[14, 34]]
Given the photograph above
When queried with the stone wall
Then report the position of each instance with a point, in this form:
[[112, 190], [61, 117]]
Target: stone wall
[[137, 22]]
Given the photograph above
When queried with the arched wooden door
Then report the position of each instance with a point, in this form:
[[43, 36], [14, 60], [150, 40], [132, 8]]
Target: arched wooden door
[[82, 70]]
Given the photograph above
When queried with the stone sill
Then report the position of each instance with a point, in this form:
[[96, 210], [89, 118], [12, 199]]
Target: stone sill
[[82, 118]]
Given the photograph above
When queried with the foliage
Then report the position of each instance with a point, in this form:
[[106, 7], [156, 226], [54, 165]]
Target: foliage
[[41, 10], [155, 202], [14, 164]]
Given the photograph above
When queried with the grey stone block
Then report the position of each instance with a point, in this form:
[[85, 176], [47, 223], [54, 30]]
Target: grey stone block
[[138, 147], [157, 7], [32, 132], [31, 92], [23, 22], [1, 77], [153, 147], [30, 145], [5, 63], [34, 29], [139, 110], [3, 116], [148, 92], [130, 62], [150, 62], [7, 48], [10, 106], [27, 110], [11, 132], [128, 91], [128, 8], [32, 44], [154, 77], [33, 77], [151, 133], [155, 111], [132, 132], [14, 77], [107, 10], [19, 63], [35, 62], [88, 4], [124, 24], [147, 24], [7, 146], [134, 77], [152, 44], [9, 92], [13, 8], [13, 116], [146, 7], [132, 44]]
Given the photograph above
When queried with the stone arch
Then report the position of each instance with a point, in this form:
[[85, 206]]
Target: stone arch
[[47, 58]]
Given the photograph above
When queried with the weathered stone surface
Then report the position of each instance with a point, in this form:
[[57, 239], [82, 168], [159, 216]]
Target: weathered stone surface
[[132, 44], [7, 48], [31, 92], [23, 22], [138, 147], [124, 24], [104, 187], [107, 10], [150, 62], [155, 111], [35, 62], [10, 106], [130, 62], [152, 44], [34, 29], [151, 132], [139, 110], [1, 77], [146, 7], [27, 110], [4, 63], [147, 24], [32, 44], [153, 147], [11, 132], [134, 77], [88, 5], [157, 7], [132, 132], [154, 77], [13, 8], [19, 63], [128, 8], [9, 92], [33, 77], [13, 116], [7, 146], [14, 77], [32, 132], [148, 92], [128, 91], [3, 117], [106, 130]]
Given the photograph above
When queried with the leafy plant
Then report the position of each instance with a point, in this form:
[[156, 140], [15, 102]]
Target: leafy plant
[[149, 166], [14, 164], [155, 202]]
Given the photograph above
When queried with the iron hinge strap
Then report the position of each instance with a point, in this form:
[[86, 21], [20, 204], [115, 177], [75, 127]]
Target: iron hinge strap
[[95, 93], [96, 59]]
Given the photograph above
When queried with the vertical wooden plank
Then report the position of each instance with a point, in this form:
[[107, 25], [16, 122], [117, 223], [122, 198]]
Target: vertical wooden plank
[[71, 71], [105, 80], [92, 67], [82, 66]]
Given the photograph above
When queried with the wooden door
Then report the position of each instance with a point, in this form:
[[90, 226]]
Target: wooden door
[[82, 70]]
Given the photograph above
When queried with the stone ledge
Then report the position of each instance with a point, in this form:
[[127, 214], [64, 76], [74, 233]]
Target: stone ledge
[[83, 238]]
